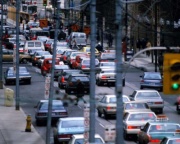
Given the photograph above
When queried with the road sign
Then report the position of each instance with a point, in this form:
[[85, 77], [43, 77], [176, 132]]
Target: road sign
[[86, 110], [48, 78], [86, 135], [43, 22], [47, 86], [110, 133], [46, 94], [86, 122]]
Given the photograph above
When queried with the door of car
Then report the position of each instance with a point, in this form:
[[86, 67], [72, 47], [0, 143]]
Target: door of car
[[7, 56]]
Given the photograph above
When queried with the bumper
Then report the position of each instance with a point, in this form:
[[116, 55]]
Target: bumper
[[134, 131]]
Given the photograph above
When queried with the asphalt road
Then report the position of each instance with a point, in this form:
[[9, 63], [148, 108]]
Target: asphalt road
[[30, 94]]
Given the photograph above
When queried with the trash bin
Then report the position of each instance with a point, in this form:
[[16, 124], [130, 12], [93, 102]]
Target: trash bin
[[9, 97], [129, 54]]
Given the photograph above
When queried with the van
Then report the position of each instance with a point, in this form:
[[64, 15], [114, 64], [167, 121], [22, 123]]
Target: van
[[80, 38], [33, 44]]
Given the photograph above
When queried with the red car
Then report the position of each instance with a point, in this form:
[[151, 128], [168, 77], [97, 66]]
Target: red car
[[78, 59], [47, 64]]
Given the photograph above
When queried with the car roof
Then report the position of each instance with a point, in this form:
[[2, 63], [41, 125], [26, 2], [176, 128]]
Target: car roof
[[135, 102], [152, 73], [78, 75], [109, 95], [65, 70], [52, 100], [147, 90], [71, 118], [82, 136], [135, 112], [162, 122]]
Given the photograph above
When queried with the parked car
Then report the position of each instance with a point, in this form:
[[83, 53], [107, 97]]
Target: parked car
[[72, 82], [151, 80], [41, 111], [178, 104], [79, 139], [66, 127], [64, 74], [10, 75], [151, 97]]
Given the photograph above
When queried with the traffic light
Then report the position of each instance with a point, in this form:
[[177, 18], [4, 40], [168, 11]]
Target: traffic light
[[44, 2], [171, 74]]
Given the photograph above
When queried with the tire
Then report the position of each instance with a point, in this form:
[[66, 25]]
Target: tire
[[55, 140], [161, 111], [98, 82], [33, 64], [6, 82], [29, 81], [99, 114], [43, 73], [24, 61], [125, 135], [106, 115]]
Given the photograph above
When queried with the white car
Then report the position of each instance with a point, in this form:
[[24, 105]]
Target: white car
[[107, 76], [42, 38], [79, 139], [59, 45]]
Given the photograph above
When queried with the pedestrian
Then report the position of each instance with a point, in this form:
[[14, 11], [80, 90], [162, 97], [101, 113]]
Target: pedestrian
[[73, 42], [110, 40], [148, 45], [79, 91], [99, 47]]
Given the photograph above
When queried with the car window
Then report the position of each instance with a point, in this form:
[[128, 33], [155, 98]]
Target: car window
[[55, 106], [135, 106], [141, 117], [174, 141], [147, 95], [72, 123], [108, 55], [83, 78], [125, 99], [81, 141], [107, 64], [164, 128], [152, 76], [112, 100], [37, 44], [30, 44]]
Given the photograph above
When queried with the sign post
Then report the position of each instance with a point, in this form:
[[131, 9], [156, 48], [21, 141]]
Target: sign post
[[86, 124], [14, 60], [47, 87]]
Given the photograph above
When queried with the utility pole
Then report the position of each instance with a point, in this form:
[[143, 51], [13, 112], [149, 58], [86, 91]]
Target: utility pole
[[48, 132], [92, 71], [1, 38], [17, 54], [118, 89], [155, 36]]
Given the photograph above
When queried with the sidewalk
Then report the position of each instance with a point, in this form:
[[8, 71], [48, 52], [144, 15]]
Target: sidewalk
[[13, 124]]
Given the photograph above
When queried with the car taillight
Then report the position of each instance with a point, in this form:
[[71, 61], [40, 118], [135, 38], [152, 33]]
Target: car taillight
[[62, 79], [64, 58], [103, 77], [154, 140], [108, 108], [83, 66], [132, 127], [41, 114], [65, 136], [158, 102]]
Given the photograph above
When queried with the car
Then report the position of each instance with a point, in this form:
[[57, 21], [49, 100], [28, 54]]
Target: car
[[66, 54], [40, 60], [151, 80], [132, 121], [154, 132], [107, 57], [88, 50], [8, 56], [151, 97], [33, 44], [37, 55], [10, 75], [47, 44], [60, 52], [171, 139], [32, 51], [41, 111], [85, 65], [59, 45], [47, 64], [107, 65], [58, 69], [72, 82], [79, 139], [131, 106], [107, 105], [42, 38], [64, 74], [78, 59], [66, 127], [107, 76]]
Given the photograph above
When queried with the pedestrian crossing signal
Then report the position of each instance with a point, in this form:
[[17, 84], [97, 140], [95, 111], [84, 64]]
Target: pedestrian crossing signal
[[171, 74], [44, 2]]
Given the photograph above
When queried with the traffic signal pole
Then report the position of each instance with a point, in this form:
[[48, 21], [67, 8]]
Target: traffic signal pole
[[118, 89]]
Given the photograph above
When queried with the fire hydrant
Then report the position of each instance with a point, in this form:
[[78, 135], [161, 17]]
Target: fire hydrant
[[28, 124]]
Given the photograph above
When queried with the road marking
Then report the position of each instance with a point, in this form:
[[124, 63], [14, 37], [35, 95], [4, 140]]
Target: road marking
[[102, 125]]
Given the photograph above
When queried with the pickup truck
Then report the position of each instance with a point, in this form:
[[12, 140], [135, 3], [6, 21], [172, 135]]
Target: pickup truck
[[8, 56]]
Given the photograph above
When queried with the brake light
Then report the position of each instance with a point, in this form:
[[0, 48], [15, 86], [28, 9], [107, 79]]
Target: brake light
[[41, 114], [62, 79], [132, 127], [103, 77], [65, 136], [83, 66], [108, 108], [178, 140], [104, 60], [158, 102], [154, 140]]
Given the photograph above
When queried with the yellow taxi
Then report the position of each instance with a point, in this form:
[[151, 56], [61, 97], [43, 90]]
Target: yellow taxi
[[88, 50]]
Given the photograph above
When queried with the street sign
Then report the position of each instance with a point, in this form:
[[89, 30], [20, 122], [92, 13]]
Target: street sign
[[46, 94], [86, 122], [110, 133], [48, 79], [86, 110], [43, 23], [47, 86], [86, 135]]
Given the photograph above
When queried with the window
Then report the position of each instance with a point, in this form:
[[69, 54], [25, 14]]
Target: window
[[72, 123], [142, 117], [30, 44], [152, 76], [37, 44], [147, 95], [55, 106], [112, 100]]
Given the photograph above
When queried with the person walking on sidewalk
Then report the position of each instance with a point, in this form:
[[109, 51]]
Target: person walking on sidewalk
[[79, 91], [148, 45]]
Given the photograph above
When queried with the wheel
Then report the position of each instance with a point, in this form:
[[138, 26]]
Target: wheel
[[106, 115], [161, 89], [161, 111], [98, 82], [99, 113], [29, 81], [6, 82], [55, 140], [24, 61], [125, 135]]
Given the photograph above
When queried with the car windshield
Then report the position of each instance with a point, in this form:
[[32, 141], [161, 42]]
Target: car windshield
[[166, 127], [107, 64], [72, 123], [135, 106], [141, 117], [152, 76], [81, 141], [55, 106], [108, 71], [113, 99], [81, 78], [87, 62], [108, 55], [147, 95]]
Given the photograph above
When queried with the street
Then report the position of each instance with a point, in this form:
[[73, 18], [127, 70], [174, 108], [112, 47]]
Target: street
[[30, 94]]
